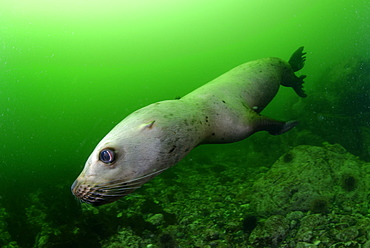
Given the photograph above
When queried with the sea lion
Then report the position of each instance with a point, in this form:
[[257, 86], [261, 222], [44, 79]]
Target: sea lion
[[156, 137]]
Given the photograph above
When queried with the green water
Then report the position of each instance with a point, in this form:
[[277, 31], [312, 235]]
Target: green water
[[71, 70]]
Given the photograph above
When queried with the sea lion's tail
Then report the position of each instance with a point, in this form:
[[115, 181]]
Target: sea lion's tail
[[296, 62]]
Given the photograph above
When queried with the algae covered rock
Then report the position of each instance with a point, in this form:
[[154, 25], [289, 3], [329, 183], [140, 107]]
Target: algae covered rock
[[316, 179], [271, 232]]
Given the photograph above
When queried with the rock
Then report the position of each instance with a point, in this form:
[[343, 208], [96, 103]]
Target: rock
[[305, 245], [156, 219], [349, 233], [350, 244], [308, 223], [316, 179], [270, 233], [367, 244]]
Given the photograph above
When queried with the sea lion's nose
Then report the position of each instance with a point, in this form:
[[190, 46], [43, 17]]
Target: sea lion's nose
[[74, 186]]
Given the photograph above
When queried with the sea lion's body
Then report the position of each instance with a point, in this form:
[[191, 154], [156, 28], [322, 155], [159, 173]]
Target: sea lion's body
[[156, 137]]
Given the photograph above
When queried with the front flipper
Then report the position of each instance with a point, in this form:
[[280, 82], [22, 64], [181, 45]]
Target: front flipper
[[272, 126]]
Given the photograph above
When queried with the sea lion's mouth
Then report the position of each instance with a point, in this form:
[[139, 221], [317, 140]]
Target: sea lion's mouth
[[108, 192], [103, 193]]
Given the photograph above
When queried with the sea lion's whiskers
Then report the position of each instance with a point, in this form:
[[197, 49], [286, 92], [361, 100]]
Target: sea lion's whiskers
[[129, 183], [115, 189], [101, 197], [117, 185], [124, 188]]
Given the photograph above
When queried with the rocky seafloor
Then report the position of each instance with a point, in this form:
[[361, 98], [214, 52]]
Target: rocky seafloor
[[311, 197]]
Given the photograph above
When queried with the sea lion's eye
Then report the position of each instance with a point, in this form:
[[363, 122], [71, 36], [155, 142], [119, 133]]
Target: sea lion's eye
[[107, 156]]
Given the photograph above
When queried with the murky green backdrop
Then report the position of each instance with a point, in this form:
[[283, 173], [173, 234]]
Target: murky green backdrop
[[71, 70]]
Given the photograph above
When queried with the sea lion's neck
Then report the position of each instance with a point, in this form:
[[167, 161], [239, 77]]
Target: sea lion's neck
[[181, 124]]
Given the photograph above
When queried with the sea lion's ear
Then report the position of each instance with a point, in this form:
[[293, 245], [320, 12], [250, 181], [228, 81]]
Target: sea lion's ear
[[147, 125]]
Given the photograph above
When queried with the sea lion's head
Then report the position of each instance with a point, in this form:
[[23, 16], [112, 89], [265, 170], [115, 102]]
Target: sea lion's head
[[131, 154]]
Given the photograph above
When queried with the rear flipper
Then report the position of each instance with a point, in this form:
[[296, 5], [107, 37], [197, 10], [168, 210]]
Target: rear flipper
[[296, 62], [298, 85], [274, 127], [297, 59]]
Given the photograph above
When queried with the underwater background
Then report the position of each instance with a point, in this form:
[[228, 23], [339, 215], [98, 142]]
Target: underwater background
[[71, 70]]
